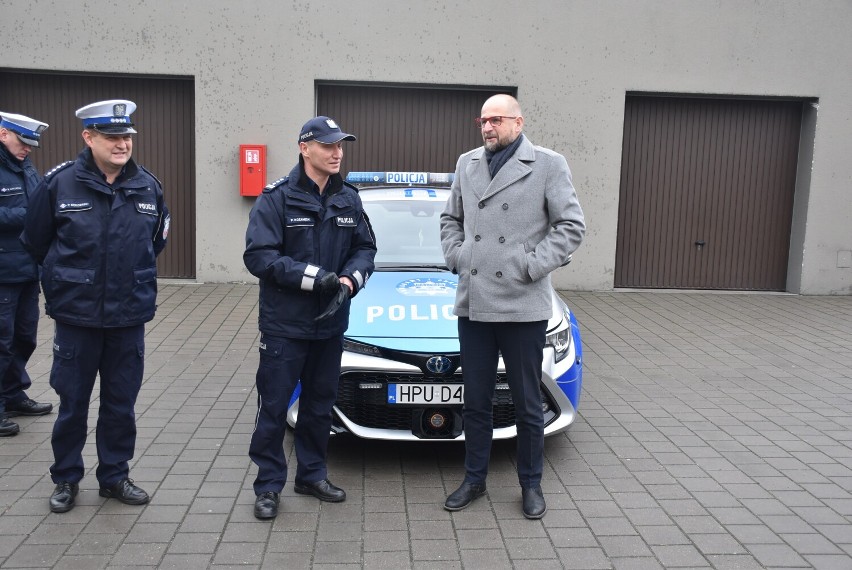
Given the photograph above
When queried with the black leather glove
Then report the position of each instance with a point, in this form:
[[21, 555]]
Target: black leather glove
[[328, 283], [336, 302]]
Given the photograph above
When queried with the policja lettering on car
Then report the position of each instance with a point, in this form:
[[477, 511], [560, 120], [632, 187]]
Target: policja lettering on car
[[413, 312]]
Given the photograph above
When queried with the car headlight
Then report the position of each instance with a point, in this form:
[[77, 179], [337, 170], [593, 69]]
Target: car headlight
[[350, 345], [560, 339]]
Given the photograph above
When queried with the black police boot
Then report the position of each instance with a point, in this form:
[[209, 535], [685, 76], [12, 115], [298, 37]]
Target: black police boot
[[62, 499], [126, 492], [8, 428], [322, 490], [266, 505], [27, 407]]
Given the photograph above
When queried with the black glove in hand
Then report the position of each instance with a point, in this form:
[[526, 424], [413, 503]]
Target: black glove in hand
[[328, 283], [336, 302]]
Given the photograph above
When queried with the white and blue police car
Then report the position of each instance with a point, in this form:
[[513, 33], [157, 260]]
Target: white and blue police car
[[401, 375]]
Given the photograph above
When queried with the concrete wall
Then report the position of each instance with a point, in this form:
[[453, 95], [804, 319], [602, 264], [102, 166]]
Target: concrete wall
[[255, 63]]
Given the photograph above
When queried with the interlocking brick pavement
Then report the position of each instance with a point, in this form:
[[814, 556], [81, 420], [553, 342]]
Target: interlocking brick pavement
[[715, 431]]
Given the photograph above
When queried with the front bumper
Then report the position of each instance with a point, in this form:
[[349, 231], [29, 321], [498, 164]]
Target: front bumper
[[362, 408]]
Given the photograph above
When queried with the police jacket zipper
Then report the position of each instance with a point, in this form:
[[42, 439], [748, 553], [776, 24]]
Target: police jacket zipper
[[318, 256], [105, 265]]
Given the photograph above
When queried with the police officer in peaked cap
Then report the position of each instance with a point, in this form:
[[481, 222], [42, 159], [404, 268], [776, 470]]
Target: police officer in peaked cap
[[308, 266], [19, 313], [97, 224]]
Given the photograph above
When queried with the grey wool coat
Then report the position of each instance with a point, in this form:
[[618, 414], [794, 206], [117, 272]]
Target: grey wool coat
[[505, 236]]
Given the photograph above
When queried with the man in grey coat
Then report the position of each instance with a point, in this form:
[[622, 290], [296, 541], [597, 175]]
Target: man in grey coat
[[512, 218]]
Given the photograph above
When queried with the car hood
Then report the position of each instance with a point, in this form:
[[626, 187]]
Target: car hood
[[406, 310], [413, 311]]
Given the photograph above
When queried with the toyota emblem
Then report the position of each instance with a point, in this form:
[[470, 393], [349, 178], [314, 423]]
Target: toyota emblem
[[439, 365]]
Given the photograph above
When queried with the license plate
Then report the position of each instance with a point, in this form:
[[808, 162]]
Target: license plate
[[429, 394]]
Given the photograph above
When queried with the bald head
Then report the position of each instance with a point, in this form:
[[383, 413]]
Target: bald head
[[508, 104]]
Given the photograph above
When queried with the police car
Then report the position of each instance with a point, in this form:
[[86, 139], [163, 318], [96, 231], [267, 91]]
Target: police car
[[401, 376]]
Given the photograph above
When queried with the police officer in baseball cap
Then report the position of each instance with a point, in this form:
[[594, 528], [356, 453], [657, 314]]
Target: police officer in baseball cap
[[308, 266]]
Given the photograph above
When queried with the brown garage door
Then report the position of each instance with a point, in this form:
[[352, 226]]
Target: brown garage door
[[706, 195], [405, 128], [165, 143]]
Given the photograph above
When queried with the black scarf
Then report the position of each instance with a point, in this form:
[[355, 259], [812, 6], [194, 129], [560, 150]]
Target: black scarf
[[497, 159]]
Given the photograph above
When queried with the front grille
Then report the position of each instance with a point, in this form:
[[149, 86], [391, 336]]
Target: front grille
[[369, 407]]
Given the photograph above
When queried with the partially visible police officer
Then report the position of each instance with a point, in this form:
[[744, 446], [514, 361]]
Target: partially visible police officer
[[96, 225], [19, 134], [311, 244]]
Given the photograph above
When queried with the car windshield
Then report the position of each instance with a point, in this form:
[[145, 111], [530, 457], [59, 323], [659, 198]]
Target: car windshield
[[407, 232]]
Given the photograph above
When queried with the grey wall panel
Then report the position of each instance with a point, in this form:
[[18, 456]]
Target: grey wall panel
[[256, 66]]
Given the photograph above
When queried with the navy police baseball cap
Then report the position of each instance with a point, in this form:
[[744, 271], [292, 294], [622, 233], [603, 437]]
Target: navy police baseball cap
[[324, 130], [108, 117]]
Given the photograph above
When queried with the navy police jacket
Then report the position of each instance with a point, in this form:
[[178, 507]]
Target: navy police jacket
[[97, 243], [18, 178], [293, 239]]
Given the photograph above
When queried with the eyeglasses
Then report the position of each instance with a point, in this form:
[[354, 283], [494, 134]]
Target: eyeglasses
[[495, 121]]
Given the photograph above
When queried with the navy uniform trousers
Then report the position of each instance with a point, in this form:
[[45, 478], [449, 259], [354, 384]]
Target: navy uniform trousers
[[79, 354], [522, 347], [283, 362], [18, 329]]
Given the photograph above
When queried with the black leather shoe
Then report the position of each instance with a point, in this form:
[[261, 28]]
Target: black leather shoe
[[126, 492], [464, 495], [322, 490], [534, 505], [266, 505], [27, 407], [7, 428], [62, 499]]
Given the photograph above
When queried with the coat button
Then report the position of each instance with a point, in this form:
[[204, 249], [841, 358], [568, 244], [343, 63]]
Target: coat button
[[499, 274], [473, 271], [505, 206], [502, 239], [476, 238], [481, 205]]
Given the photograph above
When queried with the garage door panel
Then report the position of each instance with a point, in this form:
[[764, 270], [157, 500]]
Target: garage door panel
[[706, 193], [165, 143], [405, 128]]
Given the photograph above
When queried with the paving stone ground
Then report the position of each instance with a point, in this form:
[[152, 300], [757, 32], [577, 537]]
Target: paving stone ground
[[715, 431]]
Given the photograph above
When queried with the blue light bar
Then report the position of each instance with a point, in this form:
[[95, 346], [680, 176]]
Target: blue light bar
[[365, 178], [401, 178]]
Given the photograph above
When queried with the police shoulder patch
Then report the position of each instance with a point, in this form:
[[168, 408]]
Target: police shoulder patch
[[59, 167], [273, 185]]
